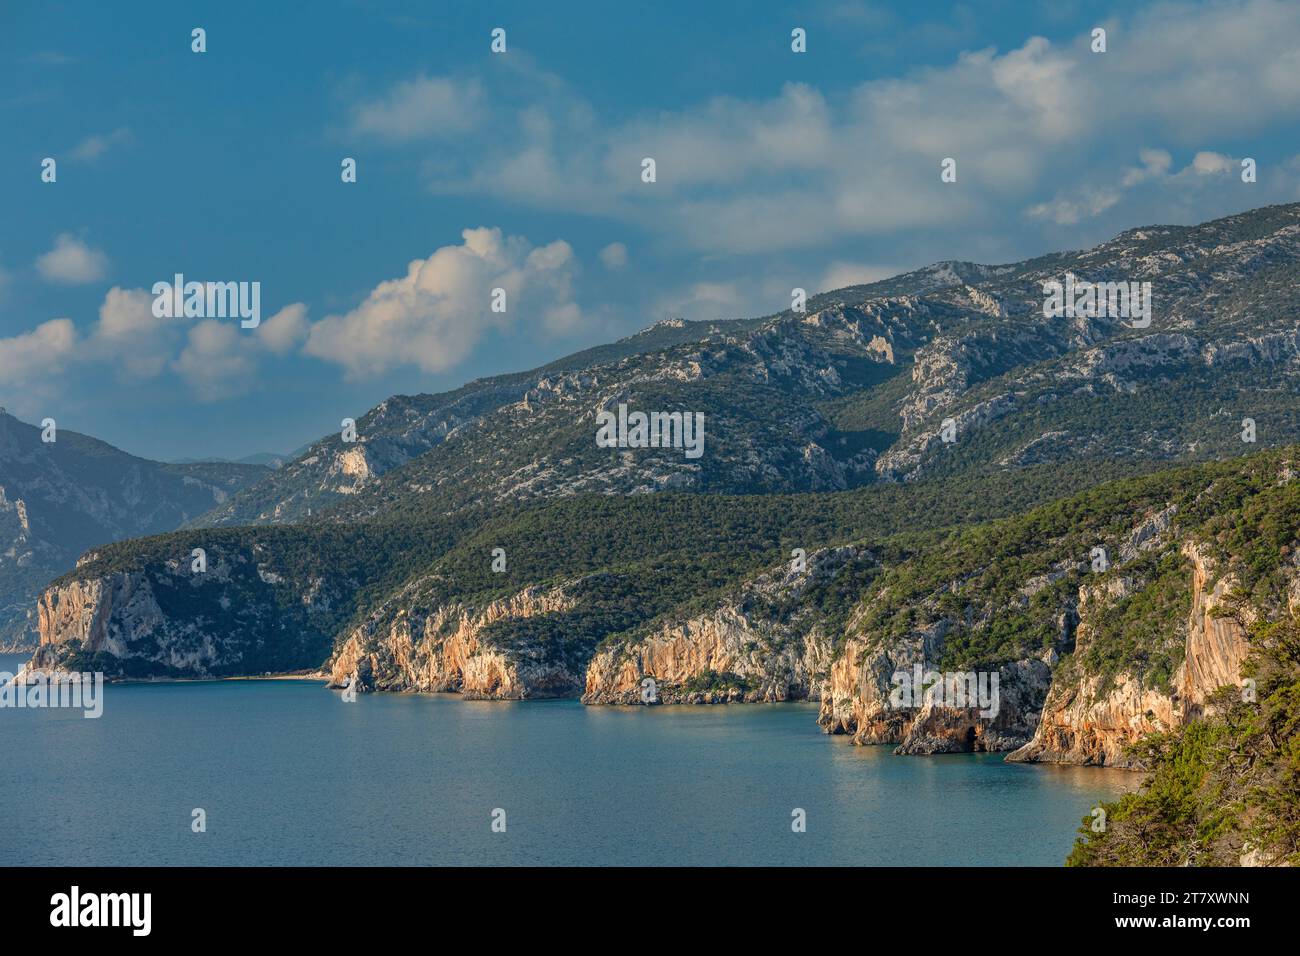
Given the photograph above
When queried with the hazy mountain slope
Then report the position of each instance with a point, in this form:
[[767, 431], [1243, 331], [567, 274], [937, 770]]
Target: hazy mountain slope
[[59, 499]]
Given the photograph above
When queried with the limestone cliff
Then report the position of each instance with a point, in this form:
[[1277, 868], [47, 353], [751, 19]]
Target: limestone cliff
[[446, 648], [60, 497], [1098, 636], [749, 649], [716, 658], [245, 613], [858, 701], [1090, 721]]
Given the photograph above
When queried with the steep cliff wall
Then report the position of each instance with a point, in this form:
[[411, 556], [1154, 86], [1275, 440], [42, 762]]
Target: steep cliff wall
[[244, 614], [448, 649], [722, 657], [860, 700], [770, 641], [1087, 720], [1102, 625]]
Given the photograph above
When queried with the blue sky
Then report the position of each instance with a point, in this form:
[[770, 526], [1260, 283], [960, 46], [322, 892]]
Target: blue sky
[[522, 170]]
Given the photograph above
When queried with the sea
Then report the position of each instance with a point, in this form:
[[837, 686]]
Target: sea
[[286, 772]]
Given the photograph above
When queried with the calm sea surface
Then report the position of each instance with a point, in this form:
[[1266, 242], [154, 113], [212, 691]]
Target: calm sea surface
[[290, 774]]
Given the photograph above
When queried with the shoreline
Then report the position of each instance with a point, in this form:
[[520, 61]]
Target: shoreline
[[288, 675], [323, 678]]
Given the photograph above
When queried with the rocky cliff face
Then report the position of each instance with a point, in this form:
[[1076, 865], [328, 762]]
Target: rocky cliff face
[[246, 614], [746, 650], [1090, 721], [115, 615], [447, 649], [1138, 625], [717, 658], [861, 699]]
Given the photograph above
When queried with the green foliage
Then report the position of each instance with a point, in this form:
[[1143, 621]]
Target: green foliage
[[1224, 785], [1145, 632], [714, 682]]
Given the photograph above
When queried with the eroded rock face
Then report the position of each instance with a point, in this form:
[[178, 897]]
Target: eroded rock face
[[118, 615], [1216, 645], [1083, 725], [1087, 722], [57, 499], [239, 617], [81, 610], [725, 642], [1050, 708], [860, 700], [747, 650], [445, 651]]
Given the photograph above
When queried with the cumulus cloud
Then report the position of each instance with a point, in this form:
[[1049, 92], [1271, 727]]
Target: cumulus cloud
[[220, 358], [214, 356], [214, 359], [432, 316], [1155, 163], [285, 331], [1208, 163], [429, 318], [131, 337], [72, 262], [35, 355], [1180, 189], [421, 107], [1083, 203]]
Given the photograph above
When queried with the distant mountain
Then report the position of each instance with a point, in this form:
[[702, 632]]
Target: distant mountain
[[61, 498], [857, 389]]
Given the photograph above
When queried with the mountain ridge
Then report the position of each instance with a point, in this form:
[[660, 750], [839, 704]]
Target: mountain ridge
[[864, 379]]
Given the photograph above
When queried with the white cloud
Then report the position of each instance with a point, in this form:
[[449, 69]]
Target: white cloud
[[33, 356], [1155, 163], [430, 318], [131, 337], [422, 107], [220, 358], [283, 332], [1209, 163], [435, 314], [71, 261], [614, 256], [95, 145], [1179, 190], [1083, 203], [214, 359], [800, 169]]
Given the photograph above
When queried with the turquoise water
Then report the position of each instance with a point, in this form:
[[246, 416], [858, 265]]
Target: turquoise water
[[290, 774]]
